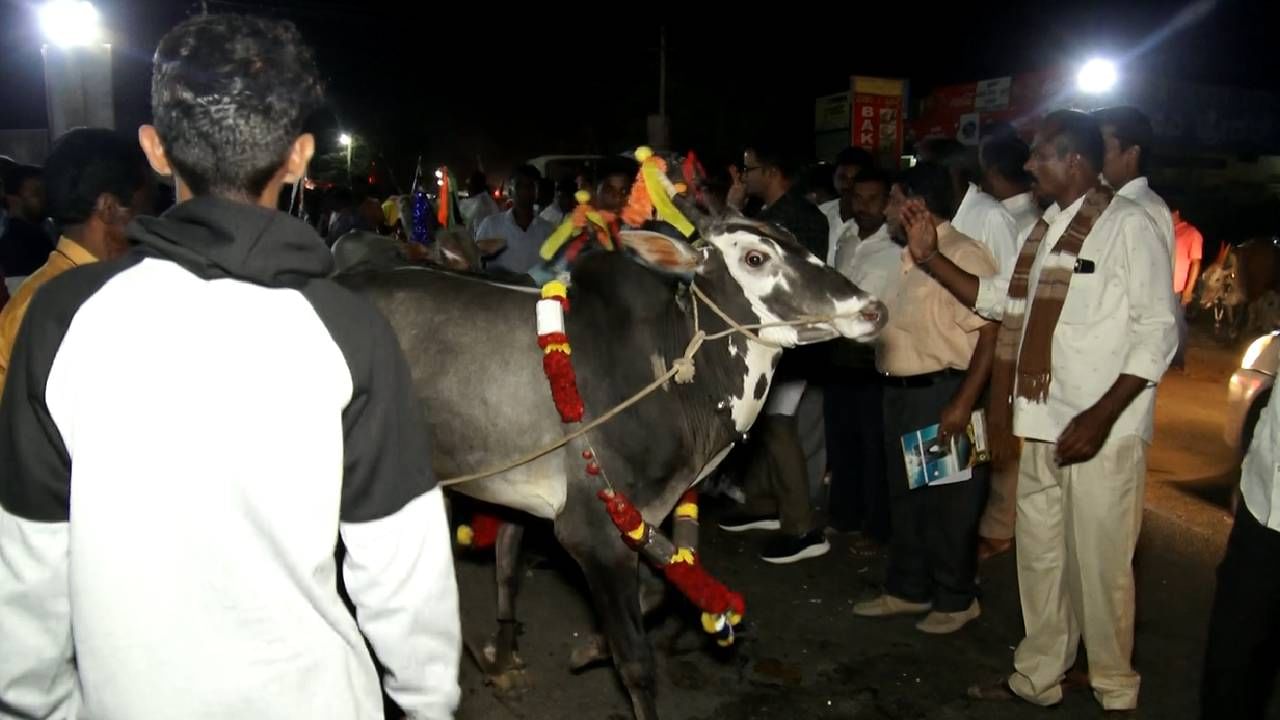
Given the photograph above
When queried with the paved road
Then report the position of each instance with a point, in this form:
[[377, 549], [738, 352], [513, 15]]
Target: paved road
[[807, 656]]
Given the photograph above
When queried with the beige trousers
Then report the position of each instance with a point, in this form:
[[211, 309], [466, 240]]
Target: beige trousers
[[1077, 528]]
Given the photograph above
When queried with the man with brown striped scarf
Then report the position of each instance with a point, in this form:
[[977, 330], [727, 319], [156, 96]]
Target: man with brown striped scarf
[[1087, 331]]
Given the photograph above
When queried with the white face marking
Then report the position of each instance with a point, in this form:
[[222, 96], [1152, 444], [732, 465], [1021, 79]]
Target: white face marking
[[757, 283], [852, 325]]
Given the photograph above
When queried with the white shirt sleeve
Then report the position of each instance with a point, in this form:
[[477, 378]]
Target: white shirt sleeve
[[1260, 475], [1165, 224], [1000, 235], [399, 574], [992, 292], [1001, 232], [1152, 330]]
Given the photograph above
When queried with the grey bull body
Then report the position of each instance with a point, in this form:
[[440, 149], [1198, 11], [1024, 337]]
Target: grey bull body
[[472, 348]]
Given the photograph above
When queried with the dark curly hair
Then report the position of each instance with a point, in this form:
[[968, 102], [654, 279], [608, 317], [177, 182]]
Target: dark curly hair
[[84, 164], [230, 94]]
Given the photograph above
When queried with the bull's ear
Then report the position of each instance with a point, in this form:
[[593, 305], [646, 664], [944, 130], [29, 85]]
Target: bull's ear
[[661, 252]]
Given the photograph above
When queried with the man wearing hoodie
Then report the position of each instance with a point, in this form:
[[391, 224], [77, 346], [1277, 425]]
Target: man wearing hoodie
[[188, 431]]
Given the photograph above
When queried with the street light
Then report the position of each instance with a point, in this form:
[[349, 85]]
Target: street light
[[70, 23], [1097, 77], [346, 141], [77, 67]]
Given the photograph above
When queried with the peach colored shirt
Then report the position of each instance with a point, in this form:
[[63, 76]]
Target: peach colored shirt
[[928, 329]]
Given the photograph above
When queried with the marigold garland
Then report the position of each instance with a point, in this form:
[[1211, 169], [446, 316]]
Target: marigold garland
[[556, 350]]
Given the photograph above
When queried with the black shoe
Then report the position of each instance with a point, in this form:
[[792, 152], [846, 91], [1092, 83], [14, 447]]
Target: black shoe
[[789, 548], [742, 523]]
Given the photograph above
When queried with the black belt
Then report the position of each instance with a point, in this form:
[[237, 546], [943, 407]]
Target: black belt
[[925, 380]]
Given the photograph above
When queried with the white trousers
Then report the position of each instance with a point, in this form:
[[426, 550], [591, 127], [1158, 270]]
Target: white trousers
[[1076, 531]]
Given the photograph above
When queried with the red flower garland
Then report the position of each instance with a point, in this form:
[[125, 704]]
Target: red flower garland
[[690, 578], [705, 592], [564, 382]]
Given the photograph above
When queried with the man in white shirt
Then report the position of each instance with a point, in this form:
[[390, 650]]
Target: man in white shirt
[[1087, 331], [563, 204], [1128, 136], [1004, 177], [870, 197], [979, 215], [479, 203], [1240, 662], [520, 227], [840, 212], [853, 394], [1003, 158]]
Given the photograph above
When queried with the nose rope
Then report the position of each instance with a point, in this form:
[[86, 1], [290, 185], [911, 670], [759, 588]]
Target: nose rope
[[745, 330], [682, 370]]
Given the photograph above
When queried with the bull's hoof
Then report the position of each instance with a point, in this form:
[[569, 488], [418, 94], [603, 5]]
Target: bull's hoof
[[494, 665], [514, 681], [594, 650]]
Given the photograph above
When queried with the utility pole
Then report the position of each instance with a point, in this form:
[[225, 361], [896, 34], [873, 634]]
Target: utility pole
[[659, 131], [662, 71]]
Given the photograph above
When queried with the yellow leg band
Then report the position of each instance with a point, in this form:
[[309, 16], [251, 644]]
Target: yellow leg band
[[683, 555], [687, 510]]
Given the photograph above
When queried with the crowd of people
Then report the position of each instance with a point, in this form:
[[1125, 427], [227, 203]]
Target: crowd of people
[[158, 362]]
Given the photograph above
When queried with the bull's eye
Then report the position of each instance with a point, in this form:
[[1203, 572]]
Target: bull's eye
[[756, 258]]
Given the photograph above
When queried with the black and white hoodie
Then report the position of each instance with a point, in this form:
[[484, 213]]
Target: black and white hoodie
[[185, 434]]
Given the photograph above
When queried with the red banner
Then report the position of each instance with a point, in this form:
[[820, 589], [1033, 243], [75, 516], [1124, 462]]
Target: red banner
[[877, 122]]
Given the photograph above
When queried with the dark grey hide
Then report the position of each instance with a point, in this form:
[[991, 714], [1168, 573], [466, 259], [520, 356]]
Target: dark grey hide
[[472, 348]]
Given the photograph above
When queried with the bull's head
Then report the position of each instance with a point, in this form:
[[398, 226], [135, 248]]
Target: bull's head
[[780, 279]]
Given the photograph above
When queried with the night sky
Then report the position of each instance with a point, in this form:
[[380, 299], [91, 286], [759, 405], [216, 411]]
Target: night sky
[[507, 84]]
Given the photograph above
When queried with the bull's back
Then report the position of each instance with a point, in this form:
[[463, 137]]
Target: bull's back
[[473, 355]]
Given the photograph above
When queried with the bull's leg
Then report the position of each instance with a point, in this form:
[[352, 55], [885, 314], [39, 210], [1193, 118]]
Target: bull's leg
[[506, 669], [612, 573], [595, 649]]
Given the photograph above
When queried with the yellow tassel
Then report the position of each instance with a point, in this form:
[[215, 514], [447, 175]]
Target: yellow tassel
[[711, 623], [682, 555], [666, 209], [556, 240], [687, 510], [553, 289], [466, 535], [557, 347]]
